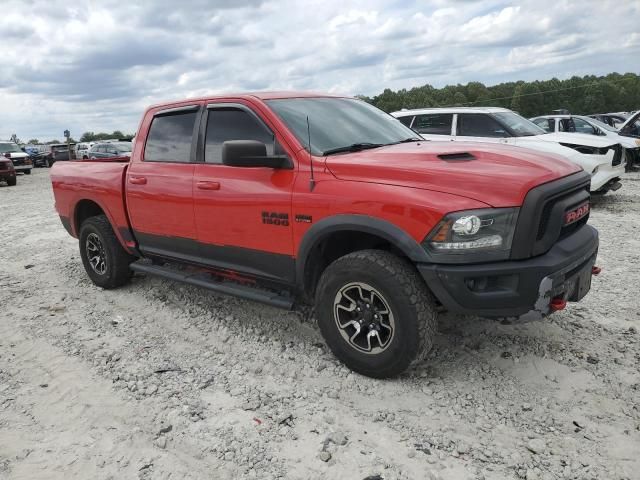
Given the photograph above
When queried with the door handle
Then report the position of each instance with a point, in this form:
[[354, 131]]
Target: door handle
[[138, 180], [208, 185]]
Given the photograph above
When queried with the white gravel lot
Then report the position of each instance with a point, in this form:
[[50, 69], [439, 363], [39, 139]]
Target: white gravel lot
[[158, 380]]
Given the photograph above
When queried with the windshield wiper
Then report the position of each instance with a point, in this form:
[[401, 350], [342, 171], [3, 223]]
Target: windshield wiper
[[354, 147], [407, 140]]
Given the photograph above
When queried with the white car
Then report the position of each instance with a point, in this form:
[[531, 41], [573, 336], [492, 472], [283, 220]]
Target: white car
[[599, 156], [82, 149], [590, 126]]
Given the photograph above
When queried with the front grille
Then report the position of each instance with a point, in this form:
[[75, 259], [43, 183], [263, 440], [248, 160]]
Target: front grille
[[541, 219], [617, 156], [550, 214]]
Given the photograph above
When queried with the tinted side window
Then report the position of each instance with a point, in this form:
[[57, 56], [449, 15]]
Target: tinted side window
[[169, 138], [233, 124], [406, 120], [435, 123], [479, 125]]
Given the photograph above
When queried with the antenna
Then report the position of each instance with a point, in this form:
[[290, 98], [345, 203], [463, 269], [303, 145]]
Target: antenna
[[312, 180]]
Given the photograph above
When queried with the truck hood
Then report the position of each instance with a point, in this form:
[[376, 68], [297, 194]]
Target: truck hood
[[498, 175]]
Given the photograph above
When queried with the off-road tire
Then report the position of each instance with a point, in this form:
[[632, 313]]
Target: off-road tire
[[27, 172], [117, 260], [12, 181], [412, 304]]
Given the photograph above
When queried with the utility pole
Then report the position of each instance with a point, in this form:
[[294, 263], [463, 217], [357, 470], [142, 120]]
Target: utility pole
[[67, 134]]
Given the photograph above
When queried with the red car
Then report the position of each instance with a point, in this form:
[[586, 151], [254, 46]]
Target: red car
[[289, 198], [7, 172]]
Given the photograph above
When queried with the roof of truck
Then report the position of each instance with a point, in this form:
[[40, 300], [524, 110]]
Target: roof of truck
[[249, 95]]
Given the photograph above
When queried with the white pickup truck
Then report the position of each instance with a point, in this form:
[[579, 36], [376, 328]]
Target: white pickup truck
[[599, 156]]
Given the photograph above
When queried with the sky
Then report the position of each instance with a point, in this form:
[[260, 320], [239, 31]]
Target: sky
[[90, 65]]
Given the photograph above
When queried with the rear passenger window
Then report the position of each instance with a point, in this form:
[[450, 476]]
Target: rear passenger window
[[233, 124], [169, 138], [479, 125], [434, 124]]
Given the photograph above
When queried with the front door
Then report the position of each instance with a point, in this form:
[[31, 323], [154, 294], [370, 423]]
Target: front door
[[243, 215], [160, 187]]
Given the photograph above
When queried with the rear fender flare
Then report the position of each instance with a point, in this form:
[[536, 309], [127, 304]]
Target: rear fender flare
[[122, 233]]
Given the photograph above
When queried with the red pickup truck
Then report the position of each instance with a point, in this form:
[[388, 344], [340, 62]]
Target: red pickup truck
[[293, 198]]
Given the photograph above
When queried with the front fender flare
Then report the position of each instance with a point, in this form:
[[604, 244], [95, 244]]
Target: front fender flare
[[358, 223]]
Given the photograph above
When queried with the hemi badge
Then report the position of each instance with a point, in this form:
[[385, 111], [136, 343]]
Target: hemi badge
[[576, 214]]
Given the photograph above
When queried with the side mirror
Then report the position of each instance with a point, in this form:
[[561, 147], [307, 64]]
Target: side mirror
[[251, 153]]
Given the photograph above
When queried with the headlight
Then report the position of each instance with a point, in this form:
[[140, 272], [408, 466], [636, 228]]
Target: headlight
[[473, 235]]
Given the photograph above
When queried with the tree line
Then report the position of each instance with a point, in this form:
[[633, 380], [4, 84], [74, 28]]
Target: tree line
[[84, 138], [580, 95]]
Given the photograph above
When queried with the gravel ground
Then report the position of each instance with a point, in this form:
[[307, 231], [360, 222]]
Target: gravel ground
[[158, 380]]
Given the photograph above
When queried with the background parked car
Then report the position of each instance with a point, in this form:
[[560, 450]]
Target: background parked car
[[21, 161], [37, 156], [82, 149], [59, 151], [110, 149], [600, 157], [591, 126], [7, 172]]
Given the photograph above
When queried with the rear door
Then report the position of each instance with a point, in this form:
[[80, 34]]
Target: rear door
[[480, 127], [434, 126], [243, 215], [159, 186]]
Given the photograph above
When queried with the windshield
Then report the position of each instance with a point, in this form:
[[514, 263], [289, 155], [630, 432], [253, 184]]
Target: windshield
[[632, 127], [9, 148], [517, 125], [335, 123]]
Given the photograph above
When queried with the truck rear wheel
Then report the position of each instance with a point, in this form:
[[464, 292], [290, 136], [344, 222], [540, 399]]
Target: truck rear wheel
[[12, 181], [375, 313], [104, 259]]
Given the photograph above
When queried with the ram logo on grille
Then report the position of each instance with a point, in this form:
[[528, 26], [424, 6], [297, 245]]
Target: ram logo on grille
[[576, 214]]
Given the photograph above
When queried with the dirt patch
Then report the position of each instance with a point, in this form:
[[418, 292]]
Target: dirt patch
[[161, 380]]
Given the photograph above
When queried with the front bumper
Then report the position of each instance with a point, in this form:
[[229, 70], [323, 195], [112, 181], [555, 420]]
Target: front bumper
[[522, 288], [605, 176], [21, 168]]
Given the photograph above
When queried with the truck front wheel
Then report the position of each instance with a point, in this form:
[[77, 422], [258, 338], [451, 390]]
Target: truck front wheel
[[375, 313], [104, 259]]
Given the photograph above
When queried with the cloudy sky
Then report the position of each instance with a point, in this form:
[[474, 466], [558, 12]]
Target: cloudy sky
[[94, 65]]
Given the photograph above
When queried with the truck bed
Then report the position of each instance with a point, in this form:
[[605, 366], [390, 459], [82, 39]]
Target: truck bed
[[76, 184]]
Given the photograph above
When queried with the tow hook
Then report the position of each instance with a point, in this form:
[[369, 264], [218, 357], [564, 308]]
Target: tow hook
[[595, 270], [557, 303]]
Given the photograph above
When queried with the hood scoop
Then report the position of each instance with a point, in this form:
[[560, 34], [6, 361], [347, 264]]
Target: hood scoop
[[457, 156]]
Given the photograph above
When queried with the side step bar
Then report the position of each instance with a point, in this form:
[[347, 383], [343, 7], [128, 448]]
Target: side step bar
[[204, 280]]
